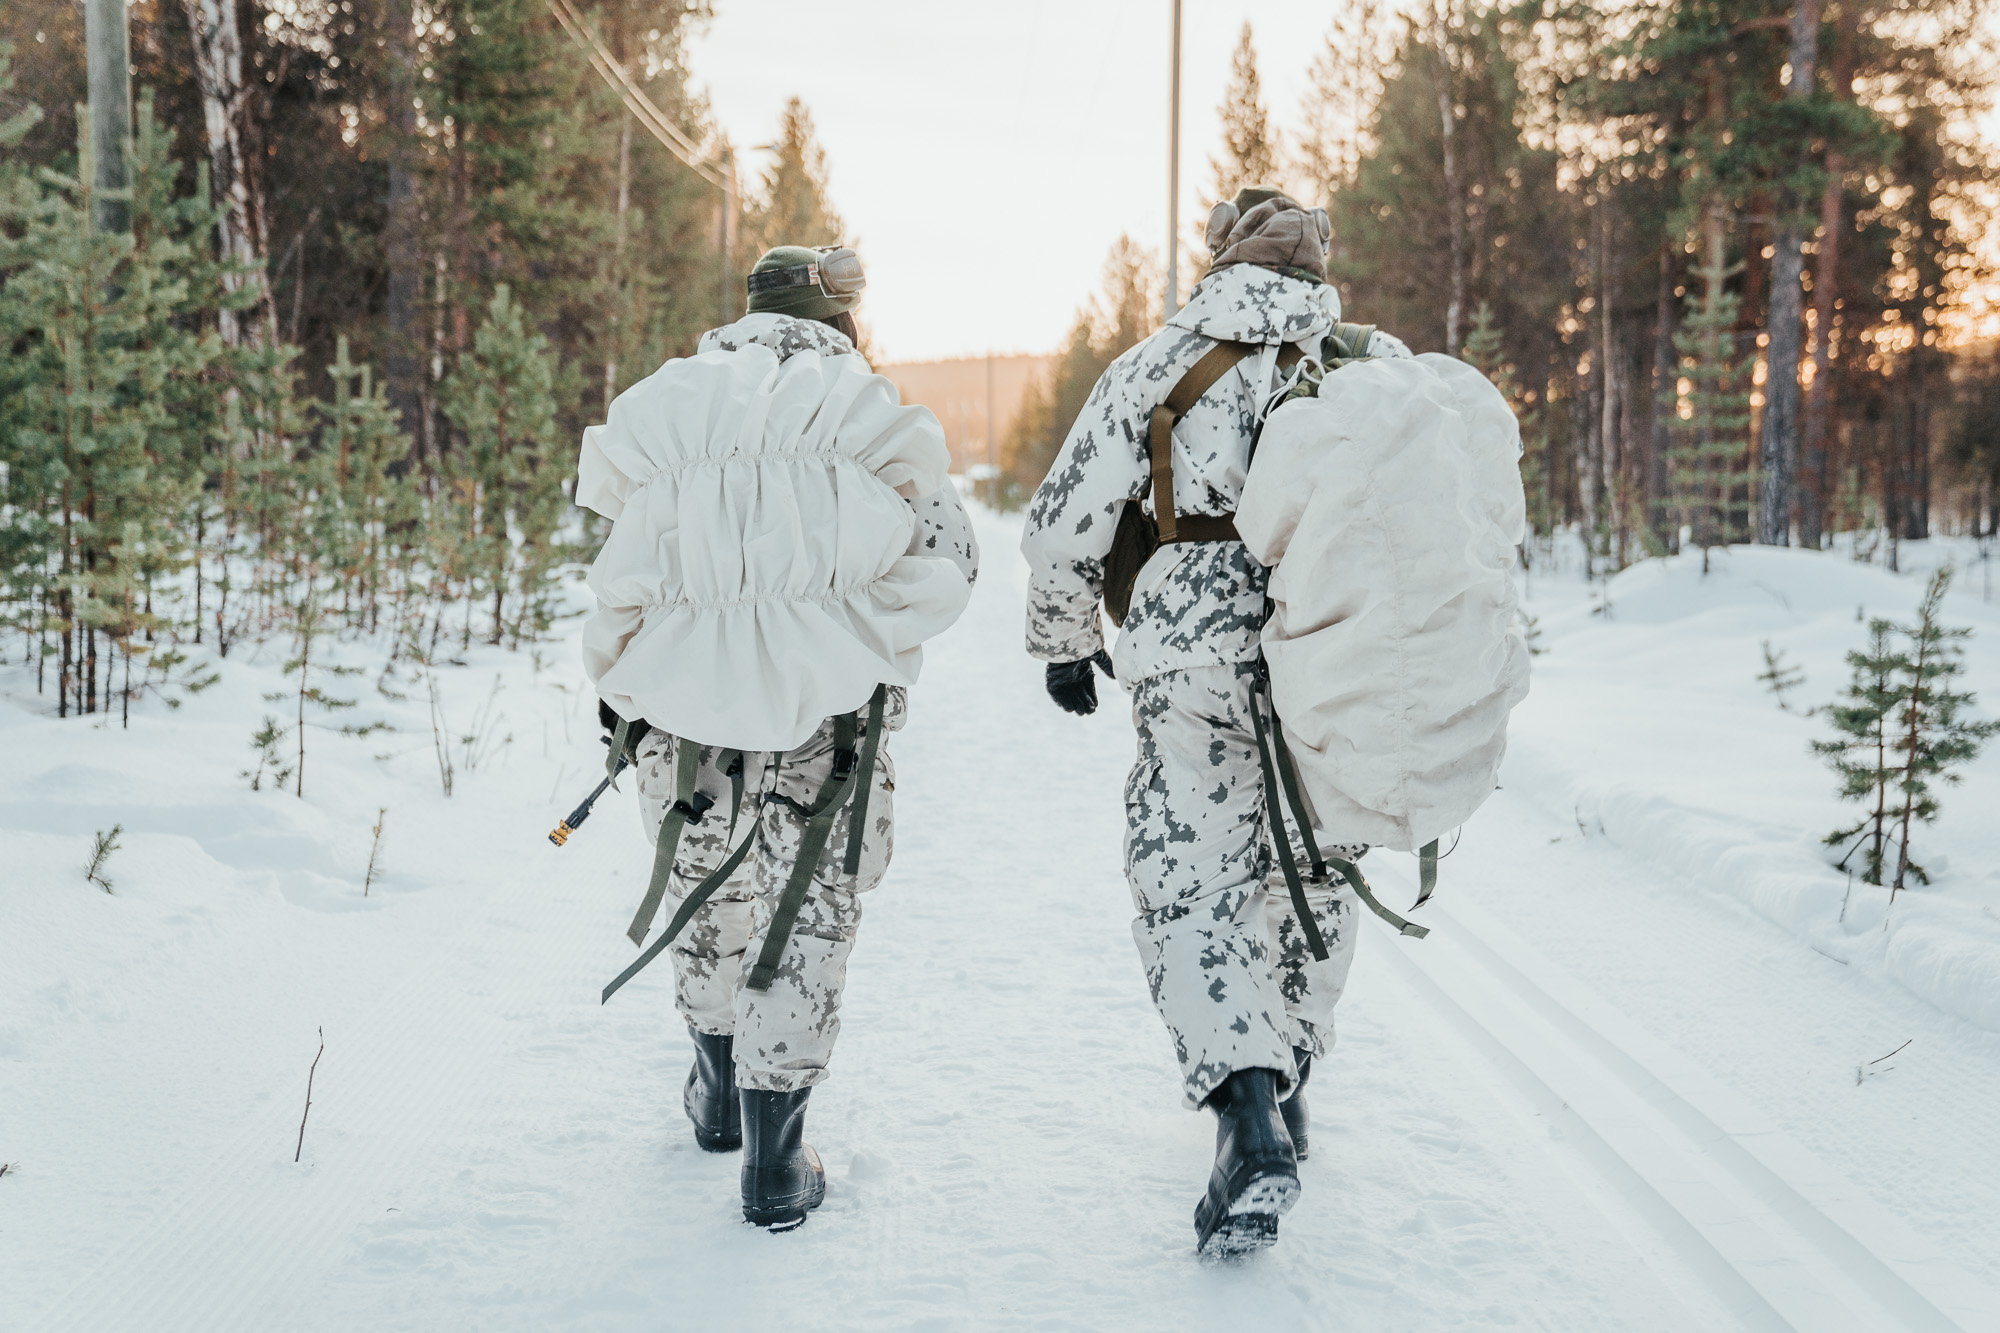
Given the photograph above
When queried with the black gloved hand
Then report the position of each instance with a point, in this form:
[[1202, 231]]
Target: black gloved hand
[[607, 717], [1073, 687]]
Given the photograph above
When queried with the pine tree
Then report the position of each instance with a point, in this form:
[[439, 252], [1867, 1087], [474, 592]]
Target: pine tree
[[1708, 466], [507, 487], [1933, 733], [1344, 87], [793, 204], [1860, 753], [1249, 144], [360, 442]]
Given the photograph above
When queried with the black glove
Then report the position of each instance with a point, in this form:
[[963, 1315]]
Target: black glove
[[1073, 687], [608, 718]]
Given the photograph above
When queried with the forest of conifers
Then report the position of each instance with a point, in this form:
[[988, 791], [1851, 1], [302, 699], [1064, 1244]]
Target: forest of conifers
[[1627, 214], [321, 365]]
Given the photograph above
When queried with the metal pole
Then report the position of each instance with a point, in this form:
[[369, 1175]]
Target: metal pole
[[990, 456], [1174, 169], [108, 39]]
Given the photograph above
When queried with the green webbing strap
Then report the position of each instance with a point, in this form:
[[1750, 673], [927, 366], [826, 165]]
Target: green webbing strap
[[687, 757], [871, 740], [1352, 874], [689, 906], [731, 763], [1282, 839], [617, 747], [1427, 872], [819, 827], [1288, 773]]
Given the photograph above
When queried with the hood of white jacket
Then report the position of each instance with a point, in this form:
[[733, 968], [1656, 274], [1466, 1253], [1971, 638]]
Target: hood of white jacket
[[784, 334], [1245, 303]]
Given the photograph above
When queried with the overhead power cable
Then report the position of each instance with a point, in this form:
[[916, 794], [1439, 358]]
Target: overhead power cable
[[634, 97]]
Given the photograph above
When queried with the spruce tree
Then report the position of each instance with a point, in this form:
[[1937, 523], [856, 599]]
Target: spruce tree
[[1249, 144], [793, 203], [1933, 733], [507, 485], [1861, 751], [1708, 465]]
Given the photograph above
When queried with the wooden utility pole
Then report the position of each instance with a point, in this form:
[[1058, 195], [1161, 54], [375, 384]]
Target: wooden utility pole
[[109, 42], [1174, 168]]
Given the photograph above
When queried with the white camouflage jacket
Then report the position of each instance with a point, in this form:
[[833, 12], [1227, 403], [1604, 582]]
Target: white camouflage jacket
[[1195, 603]]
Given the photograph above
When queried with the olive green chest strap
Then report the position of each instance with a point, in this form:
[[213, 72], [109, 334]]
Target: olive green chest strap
[[1216, 362]]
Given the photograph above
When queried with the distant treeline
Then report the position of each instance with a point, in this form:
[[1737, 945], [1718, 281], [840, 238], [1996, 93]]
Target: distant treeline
[[1630, 215], [326, 362]]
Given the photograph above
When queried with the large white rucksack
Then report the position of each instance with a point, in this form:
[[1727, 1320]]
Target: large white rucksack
[[759, 575], [1389, 504]]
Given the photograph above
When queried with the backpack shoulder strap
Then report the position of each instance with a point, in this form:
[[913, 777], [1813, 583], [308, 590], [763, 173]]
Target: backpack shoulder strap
[[1216, 362]]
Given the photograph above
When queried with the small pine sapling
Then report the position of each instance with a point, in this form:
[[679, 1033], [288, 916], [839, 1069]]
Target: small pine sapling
[[1778, 675], [1860, 751], [270, 760], [308, 626], [1933, 733], [101, 847]]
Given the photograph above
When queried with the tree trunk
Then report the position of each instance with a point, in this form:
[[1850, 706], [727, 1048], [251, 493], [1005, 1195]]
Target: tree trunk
[[232, 172], [1666, 402], [108, 66], [1780, 444], [1610, 390], [401, 242], [1454, 311]]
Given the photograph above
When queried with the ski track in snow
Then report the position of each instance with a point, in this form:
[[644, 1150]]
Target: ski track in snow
[[1496, 1143]]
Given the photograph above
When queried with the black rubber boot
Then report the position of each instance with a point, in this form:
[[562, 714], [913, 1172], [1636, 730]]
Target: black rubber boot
[[1297, 1118], [782, 1177], [710, 1096], [1256, 1176]]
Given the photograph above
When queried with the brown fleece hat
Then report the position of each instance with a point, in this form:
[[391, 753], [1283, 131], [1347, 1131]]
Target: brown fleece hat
[[1266, 227]]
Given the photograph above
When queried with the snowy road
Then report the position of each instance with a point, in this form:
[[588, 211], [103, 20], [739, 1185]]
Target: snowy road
[[1565, 1110]]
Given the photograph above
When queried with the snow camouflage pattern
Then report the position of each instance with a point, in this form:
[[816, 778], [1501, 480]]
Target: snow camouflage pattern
[[1229, 969], [784, 1035], [1195, 604], [784, 334]]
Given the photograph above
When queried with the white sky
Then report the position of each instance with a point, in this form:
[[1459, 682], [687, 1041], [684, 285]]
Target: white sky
[[988, 154]]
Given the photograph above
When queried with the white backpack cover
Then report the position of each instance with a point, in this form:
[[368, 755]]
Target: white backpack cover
[[759, 575], [1390, 506]]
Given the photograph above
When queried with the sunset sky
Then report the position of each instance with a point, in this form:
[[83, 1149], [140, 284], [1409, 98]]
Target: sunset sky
[[987, 155]]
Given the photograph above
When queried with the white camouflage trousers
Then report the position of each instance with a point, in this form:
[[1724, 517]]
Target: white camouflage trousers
[[784, 1035], [1230, 971]]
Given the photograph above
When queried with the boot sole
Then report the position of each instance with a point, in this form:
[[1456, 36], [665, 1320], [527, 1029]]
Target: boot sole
[[717, 1142], [1251, 1224], [788, 1217]]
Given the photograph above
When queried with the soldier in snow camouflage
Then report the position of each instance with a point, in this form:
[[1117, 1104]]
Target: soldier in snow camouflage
[[1241, 995], [759, 1053], [783, 1036]]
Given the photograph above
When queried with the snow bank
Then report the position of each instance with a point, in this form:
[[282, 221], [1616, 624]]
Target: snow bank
[[1650, 728]]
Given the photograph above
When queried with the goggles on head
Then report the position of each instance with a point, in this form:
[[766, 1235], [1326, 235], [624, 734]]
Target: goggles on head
[[837, 272]]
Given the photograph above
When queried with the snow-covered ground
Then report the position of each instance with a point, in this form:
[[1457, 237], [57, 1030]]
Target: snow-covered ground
[[1625, 1084]]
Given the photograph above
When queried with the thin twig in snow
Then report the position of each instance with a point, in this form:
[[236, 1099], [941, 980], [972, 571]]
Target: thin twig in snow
[[1863, 1071], [373, 849], [309, 1095]]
